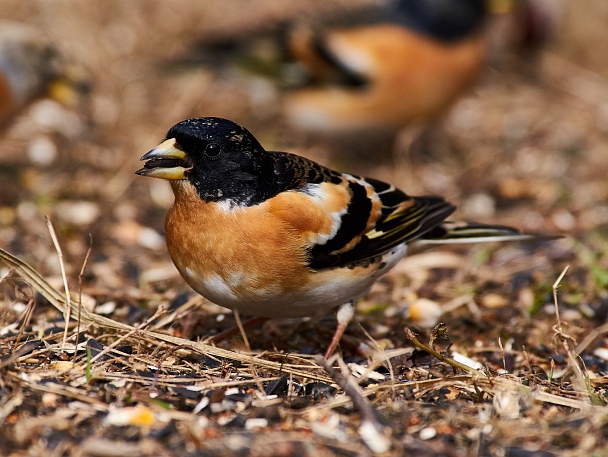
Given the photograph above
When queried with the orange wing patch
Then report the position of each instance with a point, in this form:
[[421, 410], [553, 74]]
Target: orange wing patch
[[315, 215], [376, 211]]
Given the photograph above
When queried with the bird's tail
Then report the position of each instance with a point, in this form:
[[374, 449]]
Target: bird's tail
[[472, 232]]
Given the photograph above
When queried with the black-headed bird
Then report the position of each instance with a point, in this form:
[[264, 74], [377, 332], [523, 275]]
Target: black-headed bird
[[274, 234]]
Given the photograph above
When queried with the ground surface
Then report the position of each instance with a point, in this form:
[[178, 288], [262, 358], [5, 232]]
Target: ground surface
[[527, 146]]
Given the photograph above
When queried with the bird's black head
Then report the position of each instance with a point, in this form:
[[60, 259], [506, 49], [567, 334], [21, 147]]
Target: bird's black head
[[221, 159]]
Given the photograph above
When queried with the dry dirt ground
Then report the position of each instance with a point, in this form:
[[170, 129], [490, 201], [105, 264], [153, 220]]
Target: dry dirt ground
[[526, 146]]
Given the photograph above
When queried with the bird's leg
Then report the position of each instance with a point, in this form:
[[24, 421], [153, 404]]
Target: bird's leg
[[234, 330], [344, 316]]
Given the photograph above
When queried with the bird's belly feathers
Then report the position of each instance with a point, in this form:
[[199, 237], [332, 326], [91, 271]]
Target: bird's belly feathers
[[319, 294], [273, 300]]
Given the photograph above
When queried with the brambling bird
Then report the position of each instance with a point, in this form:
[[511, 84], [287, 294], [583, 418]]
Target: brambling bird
[[31, 67], [378, 69], [274, 234], [409, 66]]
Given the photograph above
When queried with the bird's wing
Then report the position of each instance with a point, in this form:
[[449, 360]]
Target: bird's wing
[[347, 218]]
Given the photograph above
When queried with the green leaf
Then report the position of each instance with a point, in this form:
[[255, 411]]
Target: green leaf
[[88, 367], [601, 276]]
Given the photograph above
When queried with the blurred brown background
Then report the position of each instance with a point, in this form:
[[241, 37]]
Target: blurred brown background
[[526, 145]]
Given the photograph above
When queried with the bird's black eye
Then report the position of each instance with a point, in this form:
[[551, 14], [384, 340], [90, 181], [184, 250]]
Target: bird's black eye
[[213, 150]]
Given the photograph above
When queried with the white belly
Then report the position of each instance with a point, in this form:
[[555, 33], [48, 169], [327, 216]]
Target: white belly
[[326, 290]]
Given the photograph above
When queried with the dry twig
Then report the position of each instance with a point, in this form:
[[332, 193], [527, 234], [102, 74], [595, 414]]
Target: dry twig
[[66, 309], [372, 431], [566, 341], [416, 342], [84, 265]]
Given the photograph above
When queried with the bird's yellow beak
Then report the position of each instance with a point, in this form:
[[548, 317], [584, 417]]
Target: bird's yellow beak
[[165, 161]]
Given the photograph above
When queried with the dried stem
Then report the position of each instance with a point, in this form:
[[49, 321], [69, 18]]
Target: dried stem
[[237, 318], [67, 309], [555, 286], [566, 340], [26, 319], [372, 431], [84, 265], [461, 366]]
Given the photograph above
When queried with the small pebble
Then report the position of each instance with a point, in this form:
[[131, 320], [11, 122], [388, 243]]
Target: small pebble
[[41, 150], [79, 213], [425, 313], [256, 422], [427, 433]]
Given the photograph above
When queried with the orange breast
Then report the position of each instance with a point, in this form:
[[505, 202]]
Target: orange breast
[[243, 254]]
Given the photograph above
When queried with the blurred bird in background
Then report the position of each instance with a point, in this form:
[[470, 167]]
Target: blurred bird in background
[[30, 68], [379, 68], [407, 67], [367, 73]]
